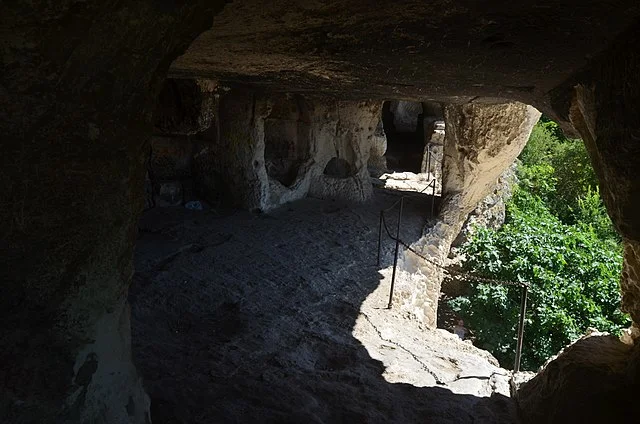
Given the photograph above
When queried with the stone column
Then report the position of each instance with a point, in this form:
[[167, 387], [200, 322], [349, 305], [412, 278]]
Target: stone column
[[237, 157], [481, 141], [77, 88], [343, 132], [377, 161], [185, 109]]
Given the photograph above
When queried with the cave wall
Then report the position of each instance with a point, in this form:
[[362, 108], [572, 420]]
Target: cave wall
[[78, 87], [185, 110], [597, 379], [78, 82], [481, 142], [276, 148], [406, 115], [344, 131], [377, 163], [594, 380]]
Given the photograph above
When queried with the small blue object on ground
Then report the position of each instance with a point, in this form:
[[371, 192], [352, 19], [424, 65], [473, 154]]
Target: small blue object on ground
[[194, 204]]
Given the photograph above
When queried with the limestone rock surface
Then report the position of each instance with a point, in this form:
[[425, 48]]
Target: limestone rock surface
[[481, 142], [185, 106], [593, 380], [280, 317], [78, 83], [445, 51], [406, 115]]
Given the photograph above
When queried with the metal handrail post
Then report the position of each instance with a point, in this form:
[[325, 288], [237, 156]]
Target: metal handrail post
[[523, 310], [380, 237], [433, 195], [395, 258], [428, 158]]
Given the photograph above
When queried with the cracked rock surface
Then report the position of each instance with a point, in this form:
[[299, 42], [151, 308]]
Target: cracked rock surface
[[280, 317]]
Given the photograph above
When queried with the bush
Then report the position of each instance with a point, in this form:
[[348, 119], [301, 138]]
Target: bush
[[575, 178], [559, 239], [540, 146], [591, 213], [573, 276]]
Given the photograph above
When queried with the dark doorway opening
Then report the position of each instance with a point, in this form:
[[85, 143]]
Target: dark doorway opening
[[403, 127]]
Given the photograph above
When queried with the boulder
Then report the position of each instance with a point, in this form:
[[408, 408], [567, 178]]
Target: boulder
[[593, 380]]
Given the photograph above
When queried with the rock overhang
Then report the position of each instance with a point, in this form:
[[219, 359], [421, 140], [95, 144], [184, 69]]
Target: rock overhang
[[450, 50]]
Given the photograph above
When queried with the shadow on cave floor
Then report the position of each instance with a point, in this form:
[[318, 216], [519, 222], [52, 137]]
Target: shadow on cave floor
[[240, 318]]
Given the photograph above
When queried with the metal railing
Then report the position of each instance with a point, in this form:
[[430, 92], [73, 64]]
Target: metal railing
[[466, 276], [432, 185]]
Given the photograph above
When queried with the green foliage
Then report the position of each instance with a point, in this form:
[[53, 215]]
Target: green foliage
[[558, 167], [575, 178], [591, 213], [539, 180], [560, 240], [540, 146]]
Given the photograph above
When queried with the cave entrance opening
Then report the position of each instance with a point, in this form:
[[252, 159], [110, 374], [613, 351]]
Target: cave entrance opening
[[408, 146], [402, 122]]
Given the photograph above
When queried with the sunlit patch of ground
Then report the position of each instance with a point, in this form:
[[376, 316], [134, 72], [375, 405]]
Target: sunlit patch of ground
[[272, 318]]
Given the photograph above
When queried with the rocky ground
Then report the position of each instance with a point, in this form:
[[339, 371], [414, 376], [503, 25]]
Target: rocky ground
[[280, 318], [408, 181]]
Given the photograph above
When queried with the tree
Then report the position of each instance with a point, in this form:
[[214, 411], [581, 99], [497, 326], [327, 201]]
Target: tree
[[558, 238]]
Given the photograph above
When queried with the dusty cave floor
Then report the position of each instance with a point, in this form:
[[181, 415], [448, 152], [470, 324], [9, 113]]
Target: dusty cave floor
[[279, 318]]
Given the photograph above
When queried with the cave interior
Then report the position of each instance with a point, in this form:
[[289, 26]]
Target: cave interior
[[125, 124]]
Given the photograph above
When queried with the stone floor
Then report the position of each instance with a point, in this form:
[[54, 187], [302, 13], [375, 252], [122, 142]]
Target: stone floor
[[280, 318], [408, 181]]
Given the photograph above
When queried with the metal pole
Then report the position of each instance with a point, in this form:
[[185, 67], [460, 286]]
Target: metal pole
[[395, 258], [429, 159], [523, 310], [380, 237], [433, 195]]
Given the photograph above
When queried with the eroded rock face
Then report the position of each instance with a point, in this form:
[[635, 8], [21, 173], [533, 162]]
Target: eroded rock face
[[406, 115], [377, 161], [448, 51], [481, 142], [78, 82], [274, 149], [185, 106], [591, 381], [491, 211], [353, 126], [597, 379]]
